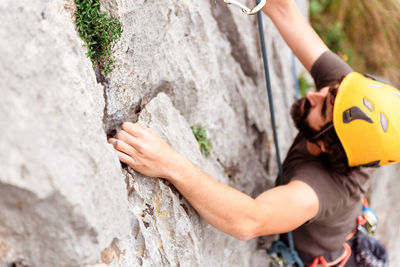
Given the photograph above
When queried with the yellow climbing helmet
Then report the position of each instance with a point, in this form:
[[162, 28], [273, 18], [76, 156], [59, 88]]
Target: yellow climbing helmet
[[366, 118]]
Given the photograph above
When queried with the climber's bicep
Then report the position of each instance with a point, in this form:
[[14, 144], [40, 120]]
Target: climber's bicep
[[287, 207]]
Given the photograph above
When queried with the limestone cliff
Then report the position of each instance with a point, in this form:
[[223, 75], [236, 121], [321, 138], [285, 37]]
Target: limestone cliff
[[65, 200]]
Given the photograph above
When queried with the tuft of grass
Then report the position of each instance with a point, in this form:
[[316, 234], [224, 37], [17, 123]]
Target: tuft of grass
[[200, 134], [99, 31], [366, 33]]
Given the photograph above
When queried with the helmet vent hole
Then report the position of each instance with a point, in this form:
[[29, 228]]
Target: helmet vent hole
[[384, 122], [368, 105], [355, 113], [376, 85], [396, 93]]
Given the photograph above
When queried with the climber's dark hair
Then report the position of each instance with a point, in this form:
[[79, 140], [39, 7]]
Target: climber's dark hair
[[335, 158]]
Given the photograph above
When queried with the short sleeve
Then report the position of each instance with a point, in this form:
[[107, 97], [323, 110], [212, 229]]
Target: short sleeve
[[328, 68], [323, 185]]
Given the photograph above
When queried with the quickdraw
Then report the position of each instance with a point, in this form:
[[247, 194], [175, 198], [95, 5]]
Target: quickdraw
[[245, 9]]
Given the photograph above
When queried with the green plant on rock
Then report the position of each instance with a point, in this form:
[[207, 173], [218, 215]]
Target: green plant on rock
[[99, 31], [200, 134]]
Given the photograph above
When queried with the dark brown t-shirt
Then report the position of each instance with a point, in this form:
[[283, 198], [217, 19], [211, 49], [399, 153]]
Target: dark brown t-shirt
[[339, 196], [328, 68]]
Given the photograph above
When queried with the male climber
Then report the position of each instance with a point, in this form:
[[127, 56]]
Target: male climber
[[350, 121]]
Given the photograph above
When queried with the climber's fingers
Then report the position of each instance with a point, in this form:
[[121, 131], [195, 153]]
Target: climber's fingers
[[127, 138], [135, 129], [141, 126], [152, 156], [122, 146], [136, 135], [125, 158]]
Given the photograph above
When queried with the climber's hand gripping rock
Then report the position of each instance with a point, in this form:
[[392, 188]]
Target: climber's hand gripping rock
[[144, 150]]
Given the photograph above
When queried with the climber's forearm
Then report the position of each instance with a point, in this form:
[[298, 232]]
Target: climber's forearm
[[275, 211], [297, 32], [222, 206]]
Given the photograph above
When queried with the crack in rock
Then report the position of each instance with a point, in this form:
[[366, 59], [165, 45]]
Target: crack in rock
[[227, 25]]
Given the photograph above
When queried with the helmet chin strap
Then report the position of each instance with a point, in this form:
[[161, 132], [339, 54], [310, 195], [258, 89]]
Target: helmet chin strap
[[323, 131]]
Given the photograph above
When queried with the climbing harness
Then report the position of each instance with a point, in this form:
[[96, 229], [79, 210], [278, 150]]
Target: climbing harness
[[367, 250], [340, 261], [245, 9]]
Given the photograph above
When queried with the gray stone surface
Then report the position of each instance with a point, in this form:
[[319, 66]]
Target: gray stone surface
[[206, 57], [170, 232], [384, 201], [64, 198]]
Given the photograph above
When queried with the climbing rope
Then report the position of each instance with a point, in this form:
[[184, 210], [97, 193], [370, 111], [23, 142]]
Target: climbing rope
[[270, 98], [277, 246], [292, 252]]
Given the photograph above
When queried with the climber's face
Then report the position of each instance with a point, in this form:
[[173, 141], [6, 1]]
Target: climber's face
[[319, 108], [313, 112]]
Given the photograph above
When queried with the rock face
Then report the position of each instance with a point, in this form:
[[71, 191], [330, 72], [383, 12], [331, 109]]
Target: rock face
[[385, 201], [65, 200], [63, 196]]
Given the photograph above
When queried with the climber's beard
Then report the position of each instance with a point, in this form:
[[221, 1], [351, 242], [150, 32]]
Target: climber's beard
[[299, 113]]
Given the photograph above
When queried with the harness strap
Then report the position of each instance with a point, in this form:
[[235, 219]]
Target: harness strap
[[340, 261], [323, 261], [348, 254]]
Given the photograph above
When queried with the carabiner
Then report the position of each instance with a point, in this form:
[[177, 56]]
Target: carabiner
[[245, 9]]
